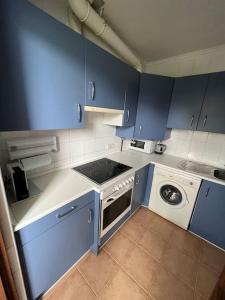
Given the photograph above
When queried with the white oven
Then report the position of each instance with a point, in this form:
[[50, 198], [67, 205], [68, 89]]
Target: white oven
[[116, 205]]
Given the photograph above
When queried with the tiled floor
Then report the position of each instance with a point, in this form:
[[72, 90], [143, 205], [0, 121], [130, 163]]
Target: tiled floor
[[149, 258]]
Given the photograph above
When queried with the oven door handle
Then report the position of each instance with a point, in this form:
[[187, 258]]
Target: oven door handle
[[110, 200]]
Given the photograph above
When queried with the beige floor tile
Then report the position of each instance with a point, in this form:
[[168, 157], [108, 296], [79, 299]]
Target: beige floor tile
[[144, 217], [163, 227], [133, 230], [181, 265], [119, 247], [186, 242], [122, 287], [98, 270], [73, 287], [167, 286], [199, 297], [141, 267], [206, 281], [213, 257]]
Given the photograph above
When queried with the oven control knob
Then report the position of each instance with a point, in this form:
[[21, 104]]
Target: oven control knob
[[127, 181], [124, 183], [116, 188], [132, 178], [120, 186]]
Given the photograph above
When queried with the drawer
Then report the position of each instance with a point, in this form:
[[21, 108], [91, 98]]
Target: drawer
[[36, 228]]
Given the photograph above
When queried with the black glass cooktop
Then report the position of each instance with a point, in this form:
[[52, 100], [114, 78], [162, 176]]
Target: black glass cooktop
[[102, 170]]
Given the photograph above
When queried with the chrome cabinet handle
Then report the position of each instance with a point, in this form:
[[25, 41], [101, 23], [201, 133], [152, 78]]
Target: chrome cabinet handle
[[60, 216], [207, 192], [204, 122], [90, 216], [78, 112], [128, 115], [92, 90], [140, 128], [192, 120], [138, 181]]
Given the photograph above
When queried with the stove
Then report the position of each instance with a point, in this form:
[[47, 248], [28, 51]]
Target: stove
[[102, 170]]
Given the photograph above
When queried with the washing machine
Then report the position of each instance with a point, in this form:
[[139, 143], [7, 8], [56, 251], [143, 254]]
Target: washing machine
[[173, 195]]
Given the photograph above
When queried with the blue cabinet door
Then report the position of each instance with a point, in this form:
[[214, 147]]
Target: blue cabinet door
[[149, 185], [140, 181], [105, 78], [208, 217], [131, 97], [212, 114], [47, 257], [43, 80], [153, 107], [187, 98]]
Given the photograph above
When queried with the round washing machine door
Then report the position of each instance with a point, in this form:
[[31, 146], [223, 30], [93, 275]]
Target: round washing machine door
[[172, 194]]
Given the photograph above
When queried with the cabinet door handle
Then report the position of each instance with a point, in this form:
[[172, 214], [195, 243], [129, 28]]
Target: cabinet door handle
[[78, 112], [207, 192], [92, 90], [60, 216], [205, 120], [140, 128], [192, 120], [138, 181], [90, 216], [128, 115]]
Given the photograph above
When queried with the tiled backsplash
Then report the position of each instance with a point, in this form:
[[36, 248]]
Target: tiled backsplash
[[199, 146], [75, 145]]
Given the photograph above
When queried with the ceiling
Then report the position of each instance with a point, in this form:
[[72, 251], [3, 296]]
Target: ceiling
[[156, 29]]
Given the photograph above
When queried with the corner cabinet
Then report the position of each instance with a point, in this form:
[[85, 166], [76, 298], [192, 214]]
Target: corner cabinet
[[212, 113], [42, 70], [208, 217], [139, 189], [105, 78], [51, 245], [153, 107], [187, 98]]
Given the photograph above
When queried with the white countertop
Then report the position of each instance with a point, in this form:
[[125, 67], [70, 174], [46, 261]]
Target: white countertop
[[63, 186]]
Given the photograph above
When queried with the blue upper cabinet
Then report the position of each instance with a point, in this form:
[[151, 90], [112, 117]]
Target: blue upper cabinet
[[105, 78], [212, 115], [186, 103], [208, 217], [42, 71], [153, 107], [131, 96]]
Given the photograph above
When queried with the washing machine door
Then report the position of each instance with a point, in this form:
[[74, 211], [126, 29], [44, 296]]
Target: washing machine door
[[172, 195]]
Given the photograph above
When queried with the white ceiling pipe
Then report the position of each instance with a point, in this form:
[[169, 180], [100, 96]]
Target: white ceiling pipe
[[88, 15]]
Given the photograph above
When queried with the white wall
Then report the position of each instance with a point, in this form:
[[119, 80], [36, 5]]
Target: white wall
[[198, 62], [75, 145]]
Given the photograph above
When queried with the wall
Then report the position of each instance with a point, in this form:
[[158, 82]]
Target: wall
[[199, 146], [75, 145], [198, 62]]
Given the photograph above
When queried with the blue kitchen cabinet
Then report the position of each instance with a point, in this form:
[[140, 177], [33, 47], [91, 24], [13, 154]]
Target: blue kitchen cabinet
[[149, 185], [153, 107], [131, 96], [139, 188], [208, 217], [105, 78], [42, 70], [53, 251], [212, 113], [187, 98]]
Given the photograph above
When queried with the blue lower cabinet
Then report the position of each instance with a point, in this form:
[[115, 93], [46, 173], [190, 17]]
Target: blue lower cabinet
[[139, 188], [47, 257], [149, 185], [208, 219]]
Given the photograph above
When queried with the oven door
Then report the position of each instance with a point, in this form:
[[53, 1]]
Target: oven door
[[114, 208]]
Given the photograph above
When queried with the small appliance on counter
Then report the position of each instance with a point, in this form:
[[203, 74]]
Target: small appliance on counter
[[160, 148], [25, 155], [142, 145]]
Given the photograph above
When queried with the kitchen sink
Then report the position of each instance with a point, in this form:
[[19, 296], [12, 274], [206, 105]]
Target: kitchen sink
[[199, 168], [219, 173]]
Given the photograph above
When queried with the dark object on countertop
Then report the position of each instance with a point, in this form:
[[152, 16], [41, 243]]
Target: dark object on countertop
[[102, 170], [20, 183], [160, 148], [220, 174]]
